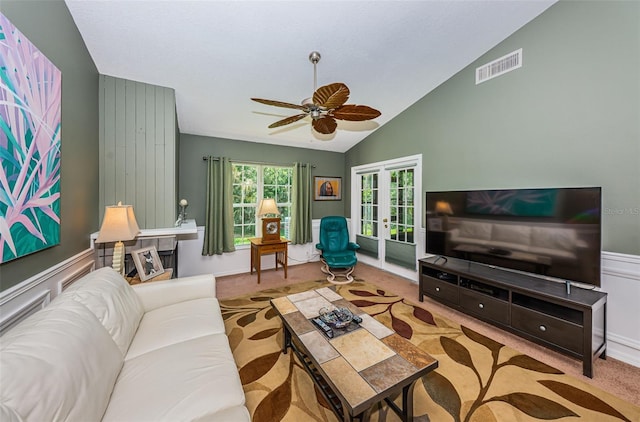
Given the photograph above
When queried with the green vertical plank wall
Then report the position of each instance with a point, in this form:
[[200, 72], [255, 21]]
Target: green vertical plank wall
[[138, 150]]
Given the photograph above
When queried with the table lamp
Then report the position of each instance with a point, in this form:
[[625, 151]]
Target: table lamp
[[119, 224], [270, 226]]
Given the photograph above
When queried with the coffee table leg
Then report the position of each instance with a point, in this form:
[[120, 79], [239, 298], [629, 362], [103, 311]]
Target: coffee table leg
[[407, 402], [286, 340], [364, 416], [346, 416]]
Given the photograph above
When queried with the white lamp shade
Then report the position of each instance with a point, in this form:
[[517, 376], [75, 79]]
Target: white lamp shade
[[267, 206], [119, 223]]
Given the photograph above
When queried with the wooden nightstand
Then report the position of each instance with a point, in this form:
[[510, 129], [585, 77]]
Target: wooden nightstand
[[166, 275], [259, 248]]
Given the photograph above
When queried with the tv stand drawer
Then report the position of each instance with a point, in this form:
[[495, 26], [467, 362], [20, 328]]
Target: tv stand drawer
[[484, 306], [439, 289], [548, 328]]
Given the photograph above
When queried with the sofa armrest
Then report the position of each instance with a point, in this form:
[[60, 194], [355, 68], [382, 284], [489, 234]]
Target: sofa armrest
[[157, 294], [353, 246]]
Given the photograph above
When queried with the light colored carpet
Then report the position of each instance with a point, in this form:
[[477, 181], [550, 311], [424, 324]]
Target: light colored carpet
[[478, 378], [611, 375]]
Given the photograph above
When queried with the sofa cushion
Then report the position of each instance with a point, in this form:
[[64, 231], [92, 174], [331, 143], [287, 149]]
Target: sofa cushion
[[113, 301], [181, 382], [162, 293], [175, 323], [8, 414], [59, 364]]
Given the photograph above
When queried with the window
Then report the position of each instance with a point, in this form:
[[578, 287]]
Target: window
[[402, 205], [251, 183], [369, 205]]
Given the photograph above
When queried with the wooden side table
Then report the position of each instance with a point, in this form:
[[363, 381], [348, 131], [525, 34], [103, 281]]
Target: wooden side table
[[166, 275], [259, 248]]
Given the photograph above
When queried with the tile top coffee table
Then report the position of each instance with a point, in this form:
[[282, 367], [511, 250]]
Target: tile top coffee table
[[356, 369]]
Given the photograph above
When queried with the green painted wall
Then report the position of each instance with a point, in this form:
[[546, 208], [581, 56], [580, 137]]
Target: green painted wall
[[568, 117], [50, 27], [137, 149], [193, 170]]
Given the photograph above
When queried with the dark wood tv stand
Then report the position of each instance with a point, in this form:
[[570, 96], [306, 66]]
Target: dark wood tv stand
[[531, 307]]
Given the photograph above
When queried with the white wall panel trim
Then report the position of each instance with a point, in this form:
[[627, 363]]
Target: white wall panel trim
[[23, 299]]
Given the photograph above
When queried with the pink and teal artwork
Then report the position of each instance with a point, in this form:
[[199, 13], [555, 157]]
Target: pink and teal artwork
[[30, 118]]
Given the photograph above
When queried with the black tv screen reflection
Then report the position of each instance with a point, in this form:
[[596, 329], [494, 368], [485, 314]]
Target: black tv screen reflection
[[553, 232]]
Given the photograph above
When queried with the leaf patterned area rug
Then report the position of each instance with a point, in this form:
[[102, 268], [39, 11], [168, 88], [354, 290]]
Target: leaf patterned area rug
[[478, 379]]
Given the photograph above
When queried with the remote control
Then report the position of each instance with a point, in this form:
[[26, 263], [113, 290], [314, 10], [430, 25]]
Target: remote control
[[324, 327], [357, 319]]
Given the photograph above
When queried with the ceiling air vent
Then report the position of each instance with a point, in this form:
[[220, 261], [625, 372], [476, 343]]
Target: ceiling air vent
[[499, 66]]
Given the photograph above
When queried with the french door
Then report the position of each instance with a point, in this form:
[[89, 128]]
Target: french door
[[386, 213]]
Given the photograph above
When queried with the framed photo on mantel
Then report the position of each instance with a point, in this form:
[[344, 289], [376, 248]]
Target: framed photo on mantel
[[327, 188]]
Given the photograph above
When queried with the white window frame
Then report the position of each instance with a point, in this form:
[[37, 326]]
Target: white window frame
[[259, 195]]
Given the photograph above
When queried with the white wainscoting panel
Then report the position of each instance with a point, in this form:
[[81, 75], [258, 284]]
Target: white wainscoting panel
[[33, 294], [191, 261], [621, 281]]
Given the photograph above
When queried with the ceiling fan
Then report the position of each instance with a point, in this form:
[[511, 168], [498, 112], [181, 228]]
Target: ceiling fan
[[326, 105]]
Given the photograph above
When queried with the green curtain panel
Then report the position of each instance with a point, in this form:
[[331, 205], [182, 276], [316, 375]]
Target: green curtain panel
[[218, 225], [300, 225]]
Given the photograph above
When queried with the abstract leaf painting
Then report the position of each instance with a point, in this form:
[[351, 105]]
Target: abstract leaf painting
[[30, 120]]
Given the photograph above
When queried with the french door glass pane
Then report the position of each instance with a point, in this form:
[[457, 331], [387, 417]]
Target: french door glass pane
[[369, 205], [401, 205]]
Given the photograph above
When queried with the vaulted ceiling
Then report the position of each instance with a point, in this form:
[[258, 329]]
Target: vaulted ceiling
[[219, 54]]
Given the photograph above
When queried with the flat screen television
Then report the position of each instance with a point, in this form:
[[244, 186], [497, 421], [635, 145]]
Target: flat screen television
[[551, 232]]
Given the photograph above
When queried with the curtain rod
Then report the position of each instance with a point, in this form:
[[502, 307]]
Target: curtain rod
[[206, 157]]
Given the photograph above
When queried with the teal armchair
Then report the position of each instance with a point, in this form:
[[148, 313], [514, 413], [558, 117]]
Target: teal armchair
[[337, 253]]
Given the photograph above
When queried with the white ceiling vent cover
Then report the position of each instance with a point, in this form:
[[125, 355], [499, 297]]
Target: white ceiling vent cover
[[504, 64]]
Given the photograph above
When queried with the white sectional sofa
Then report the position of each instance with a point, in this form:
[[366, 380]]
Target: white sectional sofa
[[106, 351]]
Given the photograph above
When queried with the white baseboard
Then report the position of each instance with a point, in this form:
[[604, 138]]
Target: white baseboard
[[623, 349]]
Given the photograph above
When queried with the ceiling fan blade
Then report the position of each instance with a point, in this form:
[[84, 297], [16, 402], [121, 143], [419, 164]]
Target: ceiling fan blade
[[280, 104], [355, 113], [287, 121], [331, 96], [325, 125]]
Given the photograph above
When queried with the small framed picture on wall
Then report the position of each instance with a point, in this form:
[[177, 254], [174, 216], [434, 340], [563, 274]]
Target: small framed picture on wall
[[327, 188], [147, 262]]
